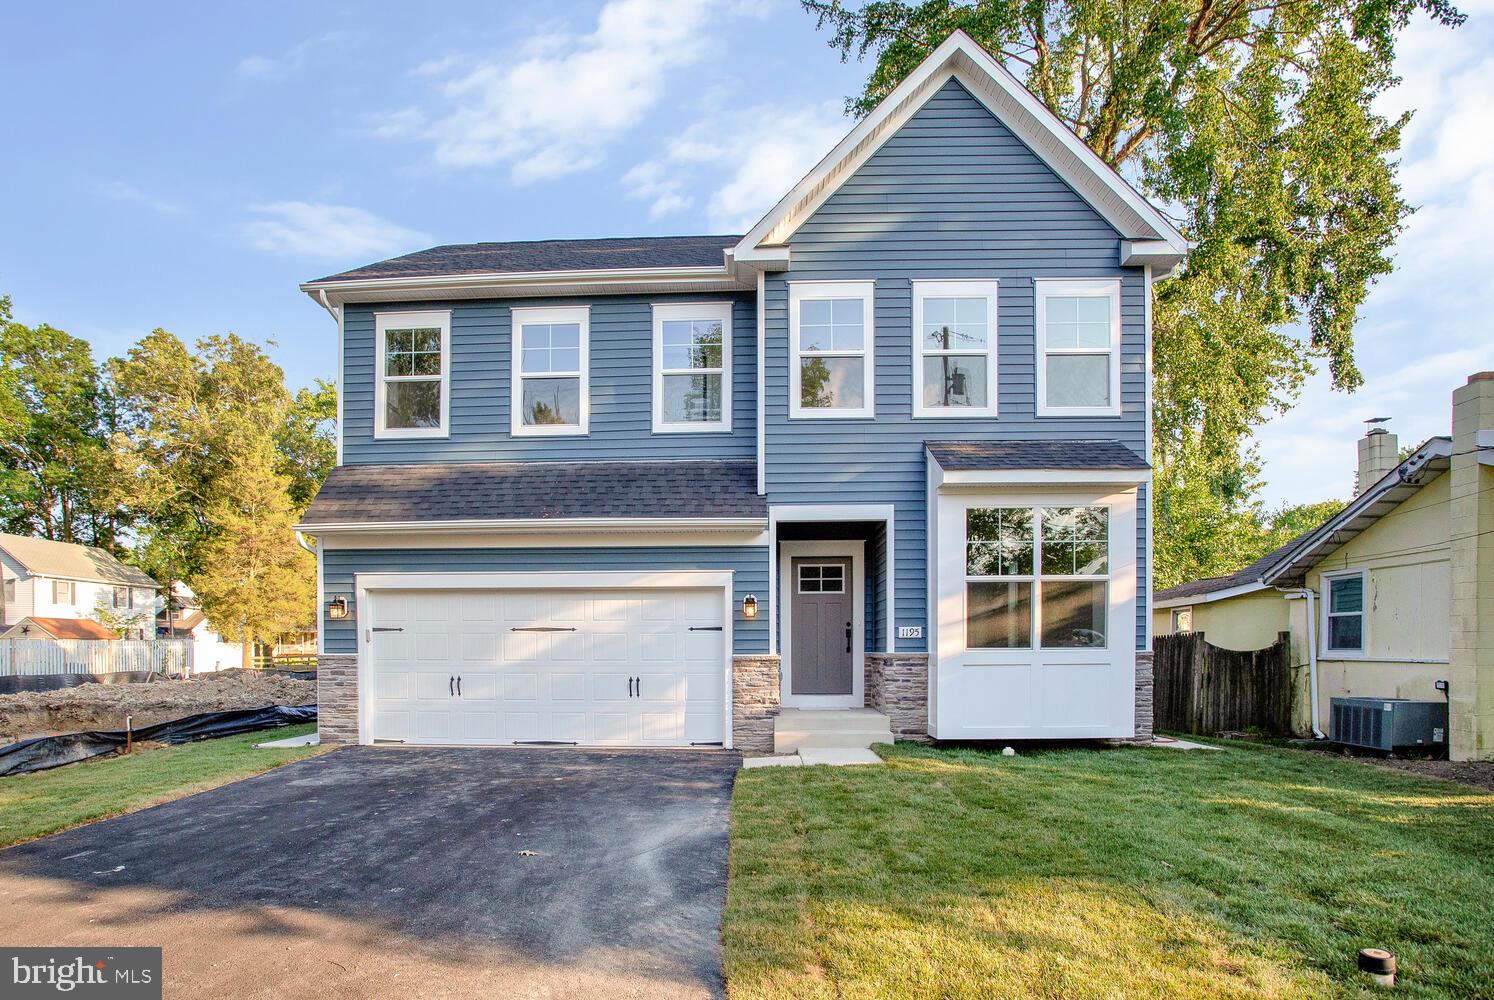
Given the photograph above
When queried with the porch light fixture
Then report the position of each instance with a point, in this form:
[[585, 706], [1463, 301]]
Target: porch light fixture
[[749, 607], [337, 608]]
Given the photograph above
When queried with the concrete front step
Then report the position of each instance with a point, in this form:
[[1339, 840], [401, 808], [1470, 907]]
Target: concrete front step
[[835, 729]]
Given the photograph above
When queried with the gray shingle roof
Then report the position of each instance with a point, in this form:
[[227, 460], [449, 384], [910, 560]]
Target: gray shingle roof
[[989, 456], [548, 255], [1239, 578], [43, 557], [492, 491]]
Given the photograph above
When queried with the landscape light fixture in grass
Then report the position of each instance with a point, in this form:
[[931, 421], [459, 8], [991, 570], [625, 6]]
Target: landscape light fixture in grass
[[749, 607], [337, 608]]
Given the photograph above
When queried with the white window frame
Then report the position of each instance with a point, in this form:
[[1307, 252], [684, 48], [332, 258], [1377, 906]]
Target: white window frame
[[719, 311], [1177, 618], [546, 314], [128, 596], [1327, 652], [802, 291], [1046, 288], [72, 593], [385, 321], [965, 289]]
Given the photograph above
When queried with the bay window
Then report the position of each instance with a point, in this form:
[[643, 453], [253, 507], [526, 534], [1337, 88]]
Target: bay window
[[1078, 348], [832, 365], [412, 365], [550, 371], [954, 348], [692, 367], [1036, 573]]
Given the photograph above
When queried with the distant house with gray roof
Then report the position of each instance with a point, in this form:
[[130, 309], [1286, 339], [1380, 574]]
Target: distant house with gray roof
[[43, 580]]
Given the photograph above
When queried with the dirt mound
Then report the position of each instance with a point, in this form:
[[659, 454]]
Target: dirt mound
[[104, 706]]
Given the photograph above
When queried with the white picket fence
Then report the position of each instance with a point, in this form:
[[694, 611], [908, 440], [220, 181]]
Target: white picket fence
[[38, 657]]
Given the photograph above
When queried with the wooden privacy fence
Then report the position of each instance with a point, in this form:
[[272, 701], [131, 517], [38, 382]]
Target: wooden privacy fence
[[39, 657], [1204, 689]]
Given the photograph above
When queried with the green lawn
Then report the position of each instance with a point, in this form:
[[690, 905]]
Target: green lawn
[[34, 805], [1247, 872]]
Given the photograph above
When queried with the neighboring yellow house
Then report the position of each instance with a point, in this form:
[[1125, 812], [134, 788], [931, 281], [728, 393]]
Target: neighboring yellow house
[[1392, 597]]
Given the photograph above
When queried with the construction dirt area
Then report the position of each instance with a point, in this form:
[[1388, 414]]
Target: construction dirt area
[[104, 706]]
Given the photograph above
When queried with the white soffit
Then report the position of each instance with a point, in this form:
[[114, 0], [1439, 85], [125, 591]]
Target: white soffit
[[1143, 228]]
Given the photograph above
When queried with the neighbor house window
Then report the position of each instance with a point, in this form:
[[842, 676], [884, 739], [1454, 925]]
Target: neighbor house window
[[1036, 573], [123, 597], [1343, 601], [1182, 619], [550, 392], [8, 590], [1078, 346], [832, 368], [414, 374], [692, 367], [62, 592], [954, 348]]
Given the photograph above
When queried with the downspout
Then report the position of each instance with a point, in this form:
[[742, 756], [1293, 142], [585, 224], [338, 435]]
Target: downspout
[[307, 542], [1305, 593]]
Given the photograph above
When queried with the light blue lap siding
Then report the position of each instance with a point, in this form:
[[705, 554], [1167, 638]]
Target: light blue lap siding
[[748, 564], [621, 387], [953, 194]]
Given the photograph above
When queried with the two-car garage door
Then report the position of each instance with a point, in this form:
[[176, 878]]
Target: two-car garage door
[[589, 667]]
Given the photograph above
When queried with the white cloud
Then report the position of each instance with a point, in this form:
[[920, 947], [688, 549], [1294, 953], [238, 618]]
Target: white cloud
[[258, 66], [749, 159], [328, 232], [120, 191], [1425, 327], [551, 107]]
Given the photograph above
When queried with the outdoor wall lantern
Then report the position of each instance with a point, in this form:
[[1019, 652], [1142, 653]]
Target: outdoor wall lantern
[[337, 608], [749, 607]]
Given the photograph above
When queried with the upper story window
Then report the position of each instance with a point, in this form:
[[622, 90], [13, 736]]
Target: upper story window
[[954, 348], [122, 597], [550, 393], [8, 589], [692, 367], [832, 364], [414, 374], [1343, 611], [1078, 347], [62, 592]]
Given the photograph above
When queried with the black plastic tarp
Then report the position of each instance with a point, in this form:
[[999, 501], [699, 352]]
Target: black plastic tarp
[[45, 752]]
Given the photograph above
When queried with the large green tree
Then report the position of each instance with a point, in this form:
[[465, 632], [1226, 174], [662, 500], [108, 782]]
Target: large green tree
[[1253, 123], [55, 418]]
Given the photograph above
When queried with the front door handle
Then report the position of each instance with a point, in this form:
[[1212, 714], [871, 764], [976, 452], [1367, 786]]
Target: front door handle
[[848, 637]]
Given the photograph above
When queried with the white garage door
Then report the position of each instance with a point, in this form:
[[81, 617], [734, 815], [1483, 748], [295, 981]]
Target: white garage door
[[593, 668]]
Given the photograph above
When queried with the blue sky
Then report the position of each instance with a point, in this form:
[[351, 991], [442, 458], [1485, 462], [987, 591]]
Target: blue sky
[[184, 166]]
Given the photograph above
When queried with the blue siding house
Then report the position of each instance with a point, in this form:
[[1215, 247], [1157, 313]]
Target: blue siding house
[[876, 469]]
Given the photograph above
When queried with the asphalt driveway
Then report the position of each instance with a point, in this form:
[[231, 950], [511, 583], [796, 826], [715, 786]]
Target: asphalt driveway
[[372, 872]]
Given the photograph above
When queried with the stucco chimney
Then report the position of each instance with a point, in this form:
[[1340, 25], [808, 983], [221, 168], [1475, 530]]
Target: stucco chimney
[[1471, 525], [1379, 452]]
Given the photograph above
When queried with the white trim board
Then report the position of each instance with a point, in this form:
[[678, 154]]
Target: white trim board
[[1144, 229], [855, 550]]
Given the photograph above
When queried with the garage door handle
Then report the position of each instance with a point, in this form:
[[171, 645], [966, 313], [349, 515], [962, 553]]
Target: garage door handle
[[451, 686], [386, 628], [459, 687], [705, 628], [543, 628]]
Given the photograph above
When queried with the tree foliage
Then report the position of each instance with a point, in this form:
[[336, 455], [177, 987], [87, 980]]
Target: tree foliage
[[1253, 123]]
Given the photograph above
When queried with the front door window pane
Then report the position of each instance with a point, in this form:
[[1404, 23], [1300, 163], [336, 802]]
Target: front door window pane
[[1074, 614], [998, 614]]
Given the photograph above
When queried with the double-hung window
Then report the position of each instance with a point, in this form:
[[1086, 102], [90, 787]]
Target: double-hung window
[[123, 597], [413, 368], [954, 348], [1037, 572], [692, 367], [832, 368], [1343, 612], [62, 592], [550, 382], [1078, 346]]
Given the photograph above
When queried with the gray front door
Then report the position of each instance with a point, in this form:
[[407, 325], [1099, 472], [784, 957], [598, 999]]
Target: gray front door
[[823, 604]]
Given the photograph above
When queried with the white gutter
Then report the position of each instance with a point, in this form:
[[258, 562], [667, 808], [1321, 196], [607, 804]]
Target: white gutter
[[1305, 593], [301, 540]]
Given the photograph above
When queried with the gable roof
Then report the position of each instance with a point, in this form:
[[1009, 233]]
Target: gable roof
[[61, 628], [528, 493], [963, 456], [67, 561], [1147, 235], [1289, 564], [548, 256]]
